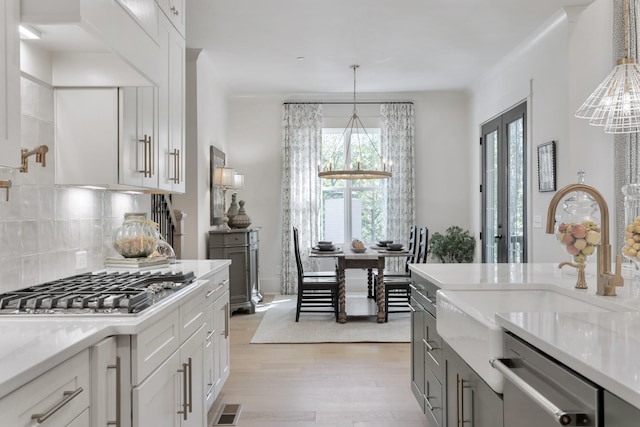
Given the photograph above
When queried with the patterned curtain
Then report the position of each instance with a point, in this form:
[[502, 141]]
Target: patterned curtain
[[627, 152], [397, 124], [301, 190]]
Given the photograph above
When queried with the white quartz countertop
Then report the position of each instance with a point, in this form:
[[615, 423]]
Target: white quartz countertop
[[602, 346], [32, 345]]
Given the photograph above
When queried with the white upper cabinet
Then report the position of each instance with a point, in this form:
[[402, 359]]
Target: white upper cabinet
[[174, 9], [171, 110], [9, 84], [96, 42]]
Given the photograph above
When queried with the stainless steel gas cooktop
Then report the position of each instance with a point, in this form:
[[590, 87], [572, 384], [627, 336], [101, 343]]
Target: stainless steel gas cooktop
[[102, 293]]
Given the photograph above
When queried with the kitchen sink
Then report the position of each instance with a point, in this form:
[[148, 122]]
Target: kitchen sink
[[466, 319]]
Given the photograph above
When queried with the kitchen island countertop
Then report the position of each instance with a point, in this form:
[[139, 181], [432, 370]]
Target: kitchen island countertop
[[604, 347]]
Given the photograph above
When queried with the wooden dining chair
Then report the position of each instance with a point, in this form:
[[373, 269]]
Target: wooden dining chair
[[397, 289], [317, 291]]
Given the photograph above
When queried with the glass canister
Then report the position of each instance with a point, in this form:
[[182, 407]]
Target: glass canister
[[578, 231], [631, 248], [137, 237]]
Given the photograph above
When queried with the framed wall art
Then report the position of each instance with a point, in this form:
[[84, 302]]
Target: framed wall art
[[547, 166], [217, 160]]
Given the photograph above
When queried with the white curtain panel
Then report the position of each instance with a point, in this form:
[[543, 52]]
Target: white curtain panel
[[397, 136], [301, 189]]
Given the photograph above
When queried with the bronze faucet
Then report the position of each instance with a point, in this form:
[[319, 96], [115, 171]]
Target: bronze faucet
[[607, 281]]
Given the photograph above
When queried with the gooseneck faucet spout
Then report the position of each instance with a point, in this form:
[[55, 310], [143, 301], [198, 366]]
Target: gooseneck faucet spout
[[607, 281]]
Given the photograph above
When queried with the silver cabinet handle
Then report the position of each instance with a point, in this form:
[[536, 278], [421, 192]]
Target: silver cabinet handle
[[190, 365], [226, 320], [460, 386], [118, 384], [150, 157], [564, 418], [185, 372], [68, 396]]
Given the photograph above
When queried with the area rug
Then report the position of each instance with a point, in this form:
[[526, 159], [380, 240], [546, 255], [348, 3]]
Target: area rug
[[279, 326]]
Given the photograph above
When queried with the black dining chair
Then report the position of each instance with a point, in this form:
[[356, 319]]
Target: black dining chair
[[411, 255], [317, 290], [397, 289]]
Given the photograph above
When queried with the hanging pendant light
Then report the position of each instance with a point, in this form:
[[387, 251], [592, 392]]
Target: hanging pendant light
[[327, 172], [615, 104]]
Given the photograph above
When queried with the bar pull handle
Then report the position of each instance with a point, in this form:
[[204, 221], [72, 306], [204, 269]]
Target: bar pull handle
[[117, 422], [185, 392], [190, 365], [176, 166], [68, 396], [226, 320], [564, 418]]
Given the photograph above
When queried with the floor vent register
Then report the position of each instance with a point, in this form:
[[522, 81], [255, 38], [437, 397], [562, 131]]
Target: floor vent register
[[228, 415]]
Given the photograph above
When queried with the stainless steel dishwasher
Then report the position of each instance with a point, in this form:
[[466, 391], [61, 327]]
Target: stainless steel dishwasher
[[539, 391]]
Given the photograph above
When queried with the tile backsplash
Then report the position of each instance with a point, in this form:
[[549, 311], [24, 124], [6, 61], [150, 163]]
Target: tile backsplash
[[43, 226]]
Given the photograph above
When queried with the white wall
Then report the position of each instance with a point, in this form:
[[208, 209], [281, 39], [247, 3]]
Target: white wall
[[255, 149], [206, 125], [555, 70]]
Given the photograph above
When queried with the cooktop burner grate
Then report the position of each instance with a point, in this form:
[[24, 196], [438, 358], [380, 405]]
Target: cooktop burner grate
[[95, 293]]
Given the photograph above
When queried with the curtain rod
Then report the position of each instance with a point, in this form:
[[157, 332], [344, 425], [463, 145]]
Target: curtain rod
[[350, 103]]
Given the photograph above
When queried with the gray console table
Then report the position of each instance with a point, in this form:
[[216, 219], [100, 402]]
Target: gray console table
[[241, 247]]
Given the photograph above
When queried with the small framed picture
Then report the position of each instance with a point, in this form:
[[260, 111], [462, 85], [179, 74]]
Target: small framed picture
[[547, 166]]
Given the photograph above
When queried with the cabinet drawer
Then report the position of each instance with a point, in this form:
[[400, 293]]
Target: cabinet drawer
[[192, 315], [434, 398], [218, 283], [68, 384], [433, 347], [230, 239], [153, 345]]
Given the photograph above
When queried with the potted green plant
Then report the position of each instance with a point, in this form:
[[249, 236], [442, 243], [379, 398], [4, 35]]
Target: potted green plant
[[456, 245]]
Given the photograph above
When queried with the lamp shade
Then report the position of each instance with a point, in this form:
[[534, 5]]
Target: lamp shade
[[238, 181], [224, 177]]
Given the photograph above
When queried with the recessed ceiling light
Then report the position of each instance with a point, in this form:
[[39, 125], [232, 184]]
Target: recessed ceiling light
[[300, 58]]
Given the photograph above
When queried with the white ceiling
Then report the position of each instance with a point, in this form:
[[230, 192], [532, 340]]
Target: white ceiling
[[400, 45]]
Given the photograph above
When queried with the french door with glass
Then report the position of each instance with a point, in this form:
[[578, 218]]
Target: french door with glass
[[504, 178]]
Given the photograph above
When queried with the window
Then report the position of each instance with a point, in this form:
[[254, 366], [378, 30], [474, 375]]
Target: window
[[352, 208]]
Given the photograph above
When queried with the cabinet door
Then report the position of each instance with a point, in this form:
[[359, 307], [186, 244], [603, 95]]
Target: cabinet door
[[138, 150], [145, 12], [105, 371], [418, 352], [238, 280], [171, 110], [10, 84], [157, 400], [174, 9], [192, 357], [254, 278], [470, 401], [221, 349]]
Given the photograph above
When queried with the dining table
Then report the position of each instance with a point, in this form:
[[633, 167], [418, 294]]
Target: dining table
[[374, 257]]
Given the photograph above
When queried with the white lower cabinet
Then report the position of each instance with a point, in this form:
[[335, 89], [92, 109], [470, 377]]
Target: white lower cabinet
[[173, 394], [105, 384], [60, 397], [216, 367]]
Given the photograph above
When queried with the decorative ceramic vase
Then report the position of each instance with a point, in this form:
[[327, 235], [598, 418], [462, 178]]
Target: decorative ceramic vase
[[241, 220], [233, 208], [137, 237], [579, 229]]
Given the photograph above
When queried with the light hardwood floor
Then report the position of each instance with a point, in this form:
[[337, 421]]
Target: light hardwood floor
[[318, 385]]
